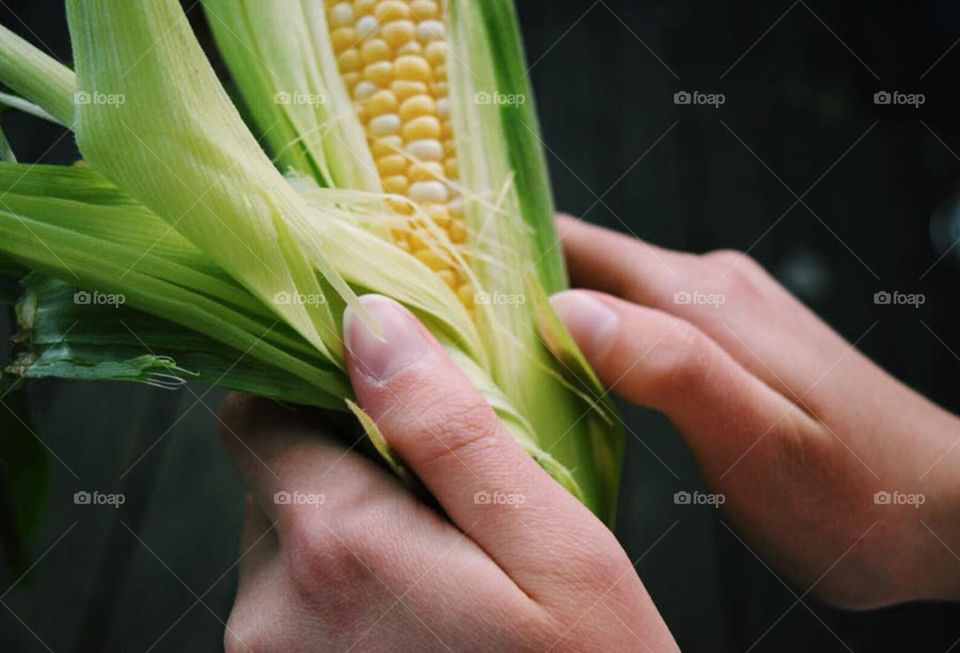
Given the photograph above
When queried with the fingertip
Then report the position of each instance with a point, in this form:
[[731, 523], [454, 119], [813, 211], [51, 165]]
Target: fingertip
[[591, 321], [385, 341]]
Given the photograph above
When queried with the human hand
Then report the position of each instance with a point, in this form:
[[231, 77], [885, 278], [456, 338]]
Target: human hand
[[793, 425], [357, 560]]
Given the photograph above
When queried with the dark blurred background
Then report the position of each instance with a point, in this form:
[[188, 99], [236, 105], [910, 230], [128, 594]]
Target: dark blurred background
[[879, 212]]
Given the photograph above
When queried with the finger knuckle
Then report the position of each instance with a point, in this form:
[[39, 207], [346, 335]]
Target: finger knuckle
[[599, 566], [320, 558], [682, 360], [724, 259], [451, 425], [736, 271], [803, 454]]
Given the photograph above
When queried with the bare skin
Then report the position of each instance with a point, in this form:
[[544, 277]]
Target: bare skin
[[372, 567], [792, 424]]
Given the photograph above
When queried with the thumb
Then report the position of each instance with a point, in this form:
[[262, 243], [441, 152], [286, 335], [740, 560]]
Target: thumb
[[444, 430], [663, 362]]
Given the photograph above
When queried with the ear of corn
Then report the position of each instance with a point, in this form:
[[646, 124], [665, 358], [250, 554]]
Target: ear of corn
[[399, 179]]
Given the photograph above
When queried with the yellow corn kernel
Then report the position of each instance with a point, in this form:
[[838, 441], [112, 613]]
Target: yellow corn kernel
[[432, 259], [410, 48], [439, 214], [390, 10], [422, 127], [425, 9], [412, 66], [404, 88], [375, 50], [349, 60], [392, 164], [451, 167], [447, 127], [420, 239], [449, 277], [397, 184], [386, 145], [458, 232], [402, 208], [383, 101], [379, 72], [436, 53], [399, 32], [466, 295], [416, 106], [429, 170], [343, 38], [364, 7]]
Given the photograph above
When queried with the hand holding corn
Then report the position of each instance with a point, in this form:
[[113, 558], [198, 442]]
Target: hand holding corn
[[760, 389], [838, 474], [348, 557]]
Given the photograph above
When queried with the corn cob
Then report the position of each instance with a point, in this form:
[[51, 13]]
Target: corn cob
[[392, 57], [395, 176]]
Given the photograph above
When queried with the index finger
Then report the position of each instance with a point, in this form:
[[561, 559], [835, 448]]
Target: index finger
[[440, 425]]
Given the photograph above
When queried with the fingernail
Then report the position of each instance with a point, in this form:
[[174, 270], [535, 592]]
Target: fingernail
[[592, 323], [401, 341]]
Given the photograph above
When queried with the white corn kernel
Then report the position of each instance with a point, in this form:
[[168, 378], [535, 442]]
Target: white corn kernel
[[430, 30], [387, 123], [367, 26], [341, 14], [427, 191], [426, 149], [364, 89]]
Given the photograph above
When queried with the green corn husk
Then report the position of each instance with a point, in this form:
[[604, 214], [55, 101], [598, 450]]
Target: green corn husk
[[179, 211]]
